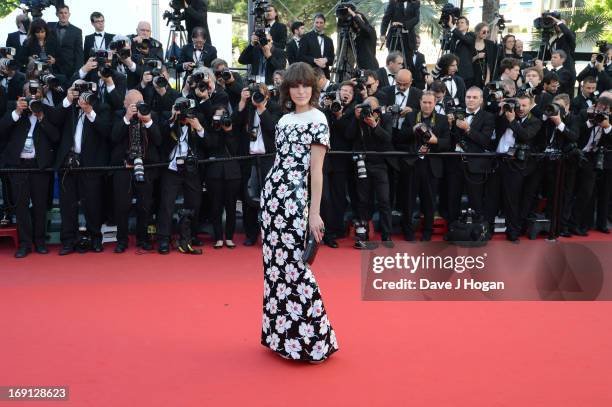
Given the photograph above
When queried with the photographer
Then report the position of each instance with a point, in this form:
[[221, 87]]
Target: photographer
[[403, 95], [557, 135], [371, 87], [594, 173], [275, 28], [230, 82], [565, 40], [99, 40], [386, 75], [157, 92], [202, 87], [196, 54], [255, 123], [316, 48], [11, 80], [365, 41], [40, 46], [550, 87], [587, 97], [446, 71], [566, 80], [463, 46], [402, 16], [111, 84], [181, 140], [422, 132], [293, 47], [136, 139], [515, 131], [496, 92], [338, 169], [143, 45], [599, 68], [125, 63], [18, 38], [196, 15], [370, 130], [223, 179], [30, 138], [417, 65], [84, 143], [69, 43], [264, 59], [471, 133]]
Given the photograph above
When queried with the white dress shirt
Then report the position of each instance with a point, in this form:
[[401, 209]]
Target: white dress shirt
[[257, 146], [78, 133], [28, 150], [182, 147], [99, 42], [401, 98], [390, 77], [596, 133]]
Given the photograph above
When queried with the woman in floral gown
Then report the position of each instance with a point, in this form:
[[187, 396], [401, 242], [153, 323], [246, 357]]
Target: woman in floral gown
[[295, 323]]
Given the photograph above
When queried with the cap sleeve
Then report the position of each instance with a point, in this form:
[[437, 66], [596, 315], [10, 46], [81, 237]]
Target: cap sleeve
[[320, 134]]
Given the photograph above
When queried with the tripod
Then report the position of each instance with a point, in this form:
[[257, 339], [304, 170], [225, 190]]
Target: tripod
[[173, 50], [342, 66], [396, 42], [445, 42]]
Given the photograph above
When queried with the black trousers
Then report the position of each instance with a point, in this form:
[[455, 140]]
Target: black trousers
[[34, 187], [172, 182], [7, 196], [86, 188], [592, 194], [418, 181], [223, 195], [459, 178], [250, 214], [334, 204], [124, 189], [504, 189], [378, 181]]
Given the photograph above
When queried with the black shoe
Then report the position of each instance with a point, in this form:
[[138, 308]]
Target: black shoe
[[426, 237], [164, 247], [66, 249], [121, 247], [579, 232], [387, 242], [42, 249], [23, 252], [331, 243], [145, 245], [96, 246], [187, 248], [604, 230], [565, 233], [361, 245], [513, 238], [249, 242]]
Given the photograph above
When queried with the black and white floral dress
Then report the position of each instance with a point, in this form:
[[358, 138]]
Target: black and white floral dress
[[295, 323]]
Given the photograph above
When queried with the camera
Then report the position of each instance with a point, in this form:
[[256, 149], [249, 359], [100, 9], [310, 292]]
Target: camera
[[5, 52], [597, 116], [422, 132], [33, 87], [221, 121], [73, 160], [342, 13], [102, 57], [603, 50], [143, 108], [449, 10], [360, 166], [501, 21], [187, 164], [259, 10], [8, 64], [256, 95], [224, 74], [458, 112], [262, 38], [510, 105], [136, 150], [88, 97], [366, 110], [120, 48], [496, 91], [176, 15], [84, 87], [199, 80], [34, 105], [50, 81], [185, 107], [35, 7], [160, 81], [529, 90], [153, 65], [545, 22], [520, 151]]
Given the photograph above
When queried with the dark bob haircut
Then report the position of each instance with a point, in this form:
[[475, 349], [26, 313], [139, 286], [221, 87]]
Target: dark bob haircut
[[299, 73]]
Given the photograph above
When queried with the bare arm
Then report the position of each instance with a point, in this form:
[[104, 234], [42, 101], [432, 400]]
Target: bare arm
[[317, 155]]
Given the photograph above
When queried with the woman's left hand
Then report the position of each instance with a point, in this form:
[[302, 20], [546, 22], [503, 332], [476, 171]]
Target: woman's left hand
[[316, 227]]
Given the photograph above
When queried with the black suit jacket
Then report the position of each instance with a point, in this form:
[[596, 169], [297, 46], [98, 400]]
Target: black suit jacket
[[461, 90], [567, 42], [113, 99], [407, 13], [95, 146], [15, 86], [524, 133], [221, 144], [293, 51], [208, 54], [417, 69], [462, 45], [366, 138], [46, 135], [310, 49], [14, 40], [196, 15], [120, 139], [603, 78], [70, 49], [278, 31], [406, 140], [566, 80], [90, 43], [30, 49], [339, 140], [414, 97], [254, 56], [383, 79], [579, 103], [477, 140], [268, 121], [584, 134]]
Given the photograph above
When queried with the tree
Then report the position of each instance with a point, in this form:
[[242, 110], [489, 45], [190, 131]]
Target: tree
[[7, 6], [489, 9]]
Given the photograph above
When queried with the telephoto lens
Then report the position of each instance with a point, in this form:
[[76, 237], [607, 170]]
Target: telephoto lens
[[143, 108], [139, 170]]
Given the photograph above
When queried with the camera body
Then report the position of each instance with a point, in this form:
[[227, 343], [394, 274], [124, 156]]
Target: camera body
[[342, 13], [6, 52], [366, 110], [224, 74], [360, 166], [597, 116], [257, 95], [143, 108], [545, 22], [448, 10], [84, 87], [121, 48], [221, 121], [520, 152], [553, 109], [7, 64], [422, 132], [34, 105], [185, 107], [510, 105], [51, 81]]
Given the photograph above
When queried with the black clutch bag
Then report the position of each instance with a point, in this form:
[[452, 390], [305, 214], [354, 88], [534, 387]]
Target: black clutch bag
[[310, 251]]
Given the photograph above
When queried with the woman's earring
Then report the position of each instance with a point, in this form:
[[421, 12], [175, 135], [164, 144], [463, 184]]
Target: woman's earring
[[290, 105]]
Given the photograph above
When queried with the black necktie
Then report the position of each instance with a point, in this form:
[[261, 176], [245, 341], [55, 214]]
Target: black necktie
[[469, 114], [98, 34], [61, 27], [399, 93], [554, 70], [447, 79]]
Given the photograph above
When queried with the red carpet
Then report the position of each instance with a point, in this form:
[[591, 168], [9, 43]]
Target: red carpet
[[150, 330]]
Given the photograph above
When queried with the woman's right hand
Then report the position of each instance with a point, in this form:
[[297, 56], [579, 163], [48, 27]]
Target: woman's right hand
[[317, 228]]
